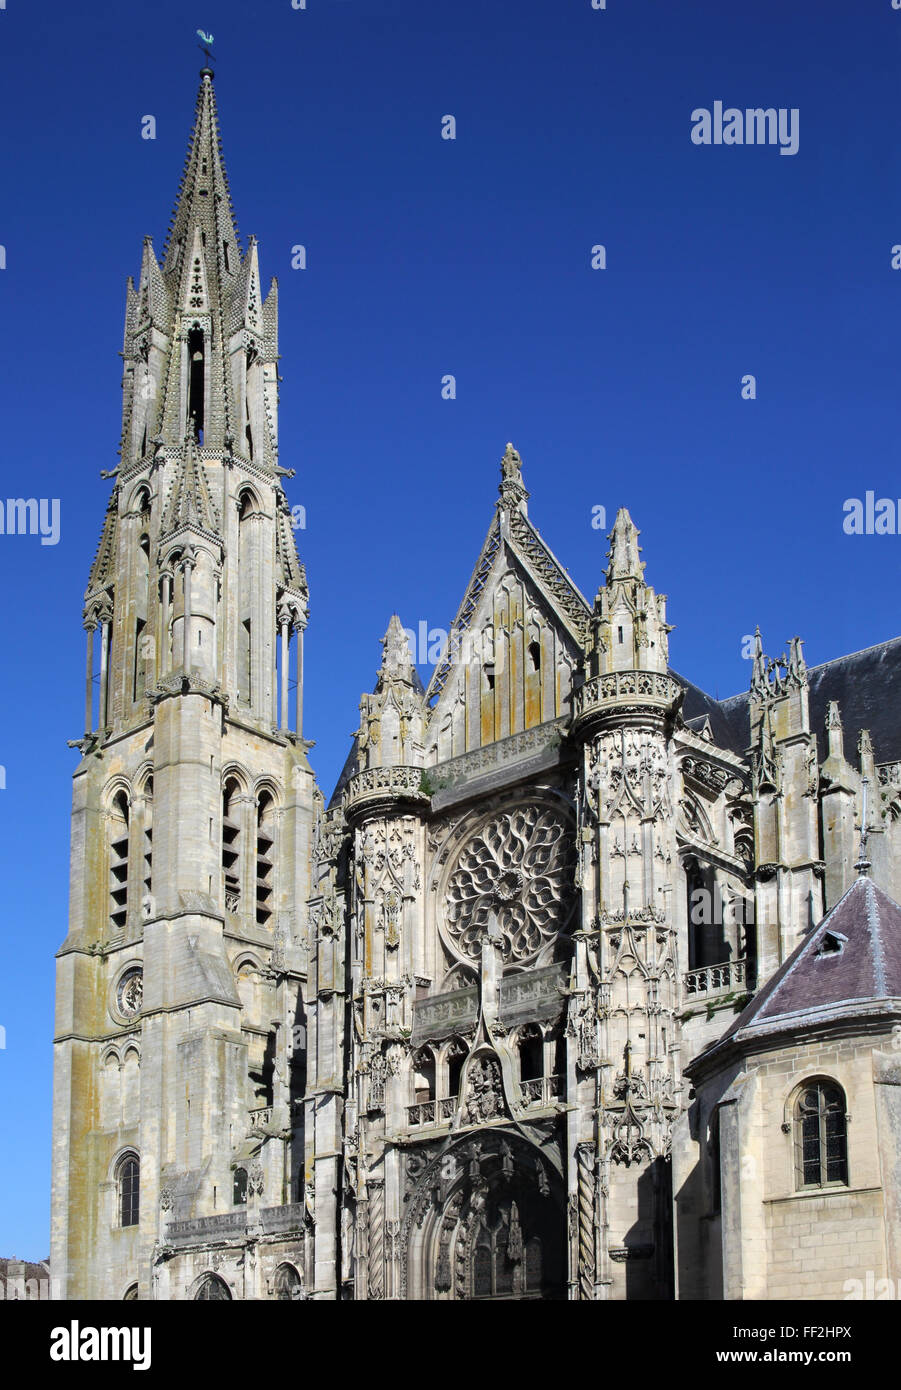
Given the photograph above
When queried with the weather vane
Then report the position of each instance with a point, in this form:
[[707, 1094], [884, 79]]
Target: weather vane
[[205, 46]]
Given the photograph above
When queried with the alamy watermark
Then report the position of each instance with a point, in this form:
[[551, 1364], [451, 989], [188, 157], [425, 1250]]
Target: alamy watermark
[[870, 1289], [865, 516], [31, 516], [755, 125]]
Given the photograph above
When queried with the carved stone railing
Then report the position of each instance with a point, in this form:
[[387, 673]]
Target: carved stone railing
[[376, 784], [260, 1118], [289, 1217], [226, 1226], [541, 1090], [430, 1112], [512, 749], [716, 979], [889, 775], [644, 688], [422, 1113]]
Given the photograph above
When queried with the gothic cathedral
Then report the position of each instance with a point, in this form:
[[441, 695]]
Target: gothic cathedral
[[568, 992]]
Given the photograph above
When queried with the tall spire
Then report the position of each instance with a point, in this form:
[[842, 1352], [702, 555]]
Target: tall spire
[[203, 200]]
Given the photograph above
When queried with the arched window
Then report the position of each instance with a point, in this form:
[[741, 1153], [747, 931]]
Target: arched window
[[128, 1187], [147, 899], [695, 890], [131, 1294], [248, 558], [287, 1284], [211, 1287], [423, 1076], [456, 1056], [231, 844], [196, 390], [143, 646], [265, 862], [239, 1188], [531, 1053], [821, 1136], [118, 884]]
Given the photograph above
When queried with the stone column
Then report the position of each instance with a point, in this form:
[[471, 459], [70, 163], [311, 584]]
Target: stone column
[[164, 656], [298, 718], [90, 628], [283, 624], [105, 621], [187, 567]]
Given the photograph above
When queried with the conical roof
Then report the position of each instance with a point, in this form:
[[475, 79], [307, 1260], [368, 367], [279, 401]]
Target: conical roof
[[848, 966]]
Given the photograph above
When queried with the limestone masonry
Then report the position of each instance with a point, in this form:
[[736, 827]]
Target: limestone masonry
[[582, 985]]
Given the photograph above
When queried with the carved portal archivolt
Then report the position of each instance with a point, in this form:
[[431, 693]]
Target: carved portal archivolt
[[486, 1219]]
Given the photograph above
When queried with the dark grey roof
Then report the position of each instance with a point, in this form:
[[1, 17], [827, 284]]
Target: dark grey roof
[[729, 719], [848, 964], [351, 766], [867, 686]]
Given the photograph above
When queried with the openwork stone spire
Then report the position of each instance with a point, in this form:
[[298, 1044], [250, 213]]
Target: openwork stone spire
[[203, 197]]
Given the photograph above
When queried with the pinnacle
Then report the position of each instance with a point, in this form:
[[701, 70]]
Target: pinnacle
[[624, 549], [512, 489], [397, 659]]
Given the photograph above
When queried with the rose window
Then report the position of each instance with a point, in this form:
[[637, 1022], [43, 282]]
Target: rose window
[[515, 872]]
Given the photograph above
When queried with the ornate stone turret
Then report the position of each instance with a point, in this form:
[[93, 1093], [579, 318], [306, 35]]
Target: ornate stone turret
[[389, 747], [393, 717], [627, 643], [625, 979]]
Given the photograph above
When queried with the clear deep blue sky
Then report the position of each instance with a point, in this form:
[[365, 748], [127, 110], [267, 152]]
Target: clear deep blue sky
[[472, 257]]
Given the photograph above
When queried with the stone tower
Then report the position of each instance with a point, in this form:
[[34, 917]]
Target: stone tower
[[179, 1049]]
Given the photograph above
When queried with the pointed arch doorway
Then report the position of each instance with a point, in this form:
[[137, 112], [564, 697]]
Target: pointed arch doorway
[[489, 1224]]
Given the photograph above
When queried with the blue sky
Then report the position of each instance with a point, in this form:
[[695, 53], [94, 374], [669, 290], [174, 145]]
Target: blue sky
[[471, 257]]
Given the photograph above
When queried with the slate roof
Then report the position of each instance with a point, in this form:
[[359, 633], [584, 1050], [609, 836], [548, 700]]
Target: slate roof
[[729, 719], [866, 684], [847, 966]]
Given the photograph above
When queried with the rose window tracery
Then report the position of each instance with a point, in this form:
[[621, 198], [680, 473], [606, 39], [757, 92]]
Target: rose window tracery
[[515, 872]]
